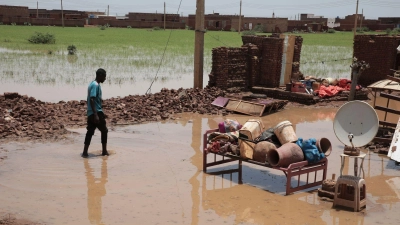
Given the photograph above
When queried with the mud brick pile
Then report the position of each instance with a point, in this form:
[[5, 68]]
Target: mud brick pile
[[31, 119], [380, 52], [229, 68], [296, 58], [271, 62]]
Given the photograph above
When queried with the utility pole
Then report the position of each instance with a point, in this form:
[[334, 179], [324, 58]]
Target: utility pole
[[362, 16], [240, 16], [355, 21], [164, 16], [62, 14], [108, 10], [199, 45], [37, 9]]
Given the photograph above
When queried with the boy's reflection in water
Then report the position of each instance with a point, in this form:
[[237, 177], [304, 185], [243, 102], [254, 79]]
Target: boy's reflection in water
[[96, 190]]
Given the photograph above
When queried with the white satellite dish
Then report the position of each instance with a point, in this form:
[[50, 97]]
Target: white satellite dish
[[356, 123]]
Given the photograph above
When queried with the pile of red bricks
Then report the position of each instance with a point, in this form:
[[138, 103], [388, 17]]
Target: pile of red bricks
[[26, 117], [380, 52]]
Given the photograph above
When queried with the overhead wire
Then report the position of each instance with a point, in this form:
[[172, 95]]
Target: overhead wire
[[163, 55]]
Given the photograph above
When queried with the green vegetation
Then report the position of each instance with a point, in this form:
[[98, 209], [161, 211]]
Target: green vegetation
[[156, 28], [135, 54], [248, 32], [71, 50], [331, 31], [40, 38]]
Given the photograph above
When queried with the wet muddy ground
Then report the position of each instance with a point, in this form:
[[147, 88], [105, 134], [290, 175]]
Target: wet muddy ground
[[154, 176]]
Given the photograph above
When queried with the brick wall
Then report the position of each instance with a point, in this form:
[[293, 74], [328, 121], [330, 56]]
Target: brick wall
[[268, 24], [229, 67], [215, 22], [13, 11], [380, 52], [271, 62], [296, 58], [153, 17], [136, 24], [257, 63]]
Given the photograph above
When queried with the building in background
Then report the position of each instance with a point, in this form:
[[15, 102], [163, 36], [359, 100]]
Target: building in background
[[7, 12], [215, 21], [390, 20], [269, 25], [137, 16], [347, 24]]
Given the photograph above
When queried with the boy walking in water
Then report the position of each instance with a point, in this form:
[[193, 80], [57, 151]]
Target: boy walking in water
[[96, 118]]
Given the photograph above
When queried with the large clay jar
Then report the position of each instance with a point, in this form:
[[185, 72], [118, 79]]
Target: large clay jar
[[261, 151], [324, 146], [285, 155]]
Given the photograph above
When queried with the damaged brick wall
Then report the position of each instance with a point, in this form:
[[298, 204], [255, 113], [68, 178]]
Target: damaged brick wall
[[270, 59], [261, 61], [380, 52], [296, 74], [229, 68], [271, 62], [254, 65]]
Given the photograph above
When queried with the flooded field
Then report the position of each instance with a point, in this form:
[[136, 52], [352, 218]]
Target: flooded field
[[154, 176], [55, 76]]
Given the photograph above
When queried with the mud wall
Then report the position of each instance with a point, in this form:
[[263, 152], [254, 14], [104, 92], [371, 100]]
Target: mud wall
[[380, 52]]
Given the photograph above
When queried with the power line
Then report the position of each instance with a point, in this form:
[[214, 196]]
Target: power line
[[165, 49]]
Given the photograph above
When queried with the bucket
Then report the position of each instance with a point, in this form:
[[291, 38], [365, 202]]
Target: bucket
[[324, 146], [285, 133], [285, 155], [261, 151]]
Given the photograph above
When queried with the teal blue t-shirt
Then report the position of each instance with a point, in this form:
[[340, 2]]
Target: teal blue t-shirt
[[94, 90]]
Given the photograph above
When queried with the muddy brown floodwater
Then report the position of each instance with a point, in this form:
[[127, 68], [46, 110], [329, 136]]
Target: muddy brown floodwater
[[154, 176]]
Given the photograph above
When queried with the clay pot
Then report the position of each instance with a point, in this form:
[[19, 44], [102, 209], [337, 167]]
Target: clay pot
[[261, 151], [285, 155], [324, 146]]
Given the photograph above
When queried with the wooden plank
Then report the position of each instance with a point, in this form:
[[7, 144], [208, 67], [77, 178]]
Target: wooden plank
[[393, 78], [387, 110], [289, 59], [384, 140], [389, 96], [249, 108], [383, 123]]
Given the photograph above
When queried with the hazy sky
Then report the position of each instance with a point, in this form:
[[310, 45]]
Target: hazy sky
[[262, 8]]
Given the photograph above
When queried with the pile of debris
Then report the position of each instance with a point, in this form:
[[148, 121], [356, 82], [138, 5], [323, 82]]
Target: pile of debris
[[23, 116]]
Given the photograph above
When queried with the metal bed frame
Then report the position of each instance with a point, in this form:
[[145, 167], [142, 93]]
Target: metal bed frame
[[293, 170]]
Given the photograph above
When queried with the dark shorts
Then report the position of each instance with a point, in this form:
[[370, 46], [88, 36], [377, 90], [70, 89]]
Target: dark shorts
[[101, 125], [91, 127]]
